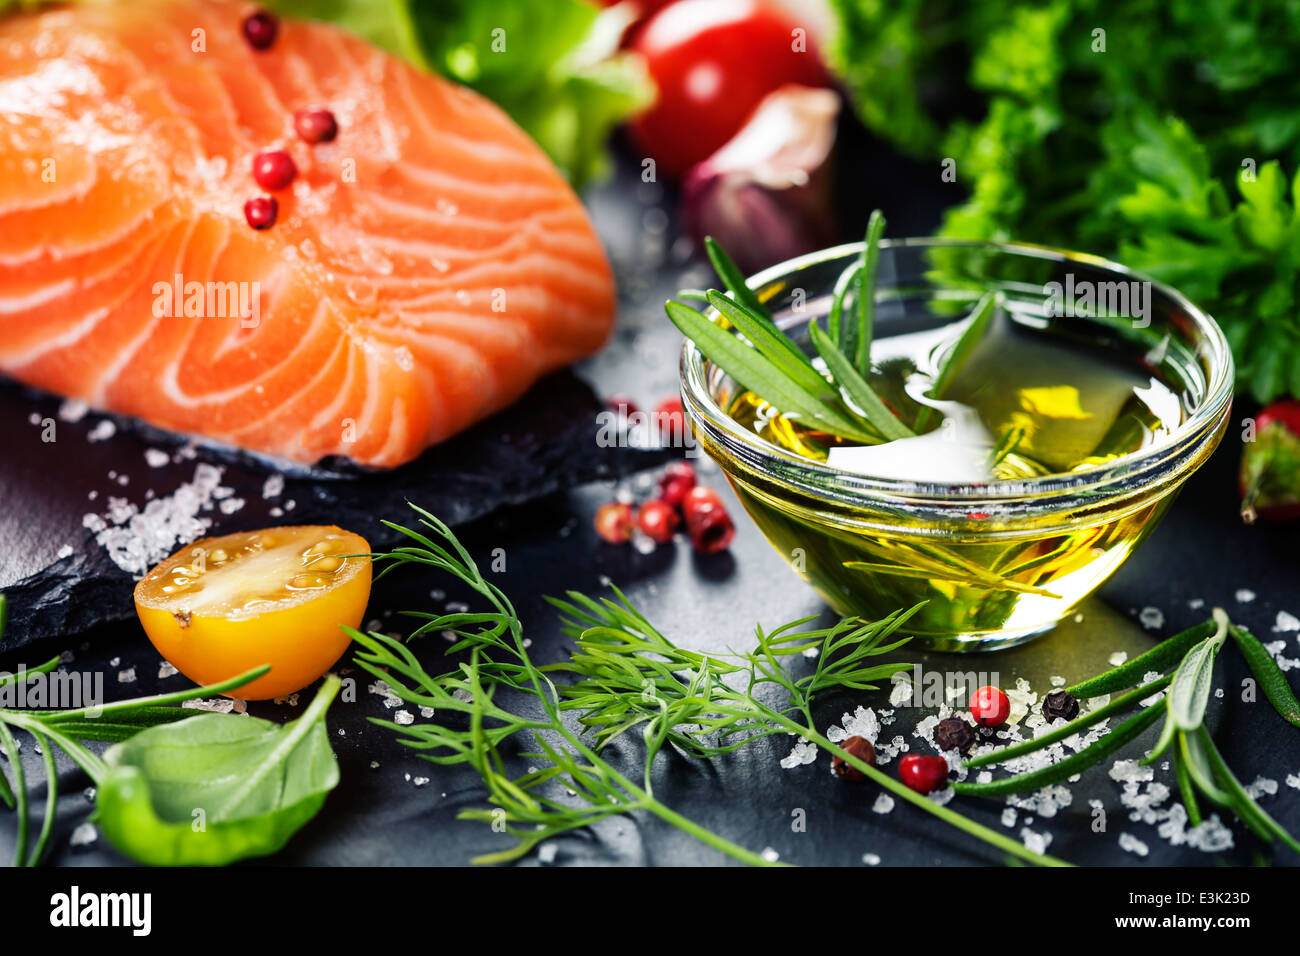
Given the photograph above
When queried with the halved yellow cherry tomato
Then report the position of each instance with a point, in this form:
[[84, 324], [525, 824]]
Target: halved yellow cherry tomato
[[222, 606]]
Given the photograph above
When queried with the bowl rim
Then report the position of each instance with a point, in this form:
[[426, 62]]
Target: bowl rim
[[1126, 470]]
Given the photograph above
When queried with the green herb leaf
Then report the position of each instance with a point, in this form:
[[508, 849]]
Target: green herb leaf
[[1160, 658], [734, 280], [1117, 706], [758, 374], [858, 389], [1247, 808], [1189, 691], [773, 344], [866, 310], [1268, 674], [253, 784], [976, 325], [1075, 763]]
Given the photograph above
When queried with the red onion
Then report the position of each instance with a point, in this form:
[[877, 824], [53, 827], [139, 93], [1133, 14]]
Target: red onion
[[765, 195]]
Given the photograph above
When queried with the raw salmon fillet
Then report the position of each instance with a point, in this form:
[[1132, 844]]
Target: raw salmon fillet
[[426, 267]]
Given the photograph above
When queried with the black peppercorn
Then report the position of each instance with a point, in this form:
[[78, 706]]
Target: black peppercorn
[[859, 747], [1060, 703], [954, 733]]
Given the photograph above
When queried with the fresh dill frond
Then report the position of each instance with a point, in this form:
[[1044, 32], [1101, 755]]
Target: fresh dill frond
[[623, 675]]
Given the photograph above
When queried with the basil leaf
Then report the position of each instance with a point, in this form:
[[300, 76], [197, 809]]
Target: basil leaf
[[217, 787]]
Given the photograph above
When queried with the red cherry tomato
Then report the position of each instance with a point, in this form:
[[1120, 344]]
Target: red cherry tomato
[[713, 61]]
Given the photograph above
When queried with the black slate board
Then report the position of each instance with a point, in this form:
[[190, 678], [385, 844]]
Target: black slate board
[[545, 442]]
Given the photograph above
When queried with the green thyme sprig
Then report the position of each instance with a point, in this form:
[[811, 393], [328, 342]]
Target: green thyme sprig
[[624, 675], [1181, 698]]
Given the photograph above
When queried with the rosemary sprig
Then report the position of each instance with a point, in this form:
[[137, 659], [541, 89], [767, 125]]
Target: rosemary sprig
[[976, 327], [624, 675], [768, 363], [1199, 768]]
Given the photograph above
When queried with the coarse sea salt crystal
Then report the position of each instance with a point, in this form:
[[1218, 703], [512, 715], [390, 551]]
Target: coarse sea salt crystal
[[102, 431], [770, 855], [870, 859], [546, 853], [403, 718], [1286, 622], [136, 539], [1119, 657], [863, 722], [64, 552], [166, 669], [803, 753], [126, 676], [1035, 842], [219, 705], [1245, 596], [884, 803], [273, 486], [1152, 618], [1262, 786], [73, 410], [900, 693], [1009, 817], [84, 835], [1132, 844], [156, 458], [1196, 603]]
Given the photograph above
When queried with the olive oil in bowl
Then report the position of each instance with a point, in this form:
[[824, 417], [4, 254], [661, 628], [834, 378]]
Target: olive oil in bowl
[[1054, 449]]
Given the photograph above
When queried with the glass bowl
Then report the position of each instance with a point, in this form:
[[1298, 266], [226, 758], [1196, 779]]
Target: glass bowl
[[995, 563]]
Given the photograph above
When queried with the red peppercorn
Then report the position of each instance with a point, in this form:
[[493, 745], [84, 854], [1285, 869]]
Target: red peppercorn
[[923, 774], [670, 421], [260, 29], [859, 747], [990, 707], [707, 521], [261, 212], [314, 124], [677, 479], [658, 520], [614, 522], [273, 169]]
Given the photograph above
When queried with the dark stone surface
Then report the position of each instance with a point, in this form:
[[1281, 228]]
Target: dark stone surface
[[542, 444], [385, 815]]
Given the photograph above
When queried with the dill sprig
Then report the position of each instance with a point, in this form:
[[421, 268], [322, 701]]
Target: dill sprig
[[623, 675]]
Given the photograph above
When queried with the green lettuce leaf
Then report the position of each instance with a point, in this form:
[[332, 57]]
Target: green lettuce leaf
[[553, 66]]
